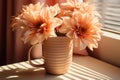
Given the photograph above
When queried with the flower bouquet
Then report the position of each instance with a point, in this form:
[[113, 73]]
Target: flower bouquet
[[75, 20]]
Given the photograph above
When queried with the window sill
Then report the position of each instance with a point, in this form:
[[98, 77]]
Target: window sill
[[82, 68]]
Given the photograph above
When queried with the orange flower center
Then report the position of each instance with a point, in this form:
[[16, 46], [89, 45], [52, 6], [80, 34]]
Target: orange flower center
[[80, 31], [40, 27], [41, 30], [37, 25]]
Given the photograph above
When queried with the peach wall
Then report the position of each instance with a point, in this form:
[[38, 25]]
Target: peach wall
[[109, 49]]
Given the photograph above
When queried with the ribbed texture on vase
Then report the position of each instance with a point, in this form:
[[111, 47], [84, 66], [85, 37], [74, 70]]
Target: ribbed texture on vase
[[57, 53]]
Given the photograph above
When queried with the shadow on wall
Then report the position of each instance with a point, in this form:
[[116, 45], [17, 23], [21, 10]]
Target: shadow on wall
[[108, 50]]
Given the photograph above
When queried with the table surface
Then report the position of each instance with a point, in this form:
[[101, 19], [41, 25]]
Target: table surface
[[82, 68]]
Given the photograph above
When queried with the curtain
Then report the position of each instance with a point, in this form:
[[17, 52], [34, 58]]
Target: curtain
[[12, 48], [10, 44]]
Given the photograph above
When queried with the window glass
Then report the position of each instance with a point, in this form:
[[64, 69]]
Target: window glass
[[110, 11]]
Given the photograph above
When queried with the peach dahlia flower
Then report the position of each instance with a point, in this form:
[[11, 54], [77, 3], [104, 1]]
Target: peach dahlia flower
[[73, 5], [83, 29], [81, 23], [38, 21]]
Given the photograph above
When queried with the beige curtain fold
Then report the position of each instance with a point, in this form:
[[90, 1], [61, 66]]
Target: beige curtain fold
[[15, 49]]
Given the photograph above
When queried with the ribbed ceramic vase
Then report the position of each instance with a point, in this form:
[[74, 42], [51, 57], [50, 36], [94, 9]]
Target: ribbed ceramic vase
[[57, 52]]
